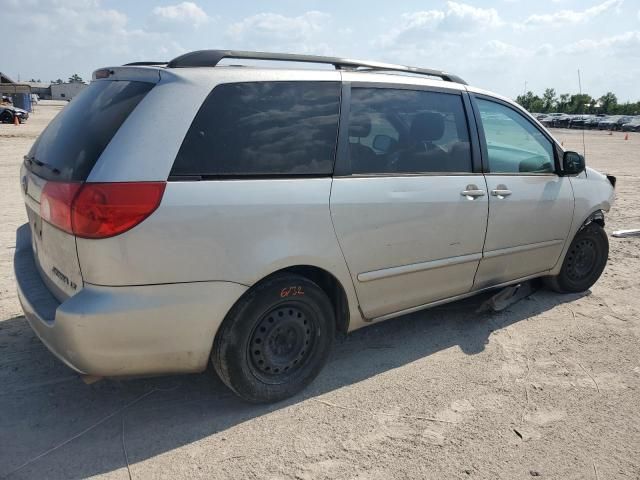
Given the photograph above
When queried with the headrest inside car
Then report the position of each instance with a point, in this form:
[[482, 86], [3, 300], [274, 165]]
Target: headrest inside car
[[427, 127], [359, 125]]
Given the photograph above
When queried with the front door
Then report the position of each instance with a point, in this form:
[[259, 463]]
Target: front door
[[530, 206], [410, 213]]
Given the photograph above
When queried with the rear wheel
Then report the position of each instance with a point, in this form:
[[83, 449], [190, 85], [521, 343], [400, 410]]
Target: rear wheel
[[275, 340], [584, 262]]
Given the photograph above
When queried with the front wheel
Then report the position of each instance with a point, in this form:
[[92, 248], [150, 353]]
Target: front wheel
[[584, 262], [275, 340]]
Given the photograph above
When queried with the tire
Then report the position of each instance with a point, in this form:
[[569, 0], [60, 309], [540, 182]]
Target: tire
[[584, 262], [275, 339]]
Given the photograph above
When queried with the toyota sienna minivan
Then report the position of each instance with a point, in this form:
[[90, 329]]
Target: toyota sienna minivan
[[196, 211]]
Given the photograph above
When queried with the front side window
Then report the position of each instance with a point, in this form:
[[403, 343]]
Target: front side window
[[514, 144], [407, 131], [263, 128]]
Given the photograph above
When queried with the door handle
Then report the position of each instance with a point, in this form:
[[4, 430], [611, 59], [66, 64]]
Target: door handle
[[501, 191], [472, 192]]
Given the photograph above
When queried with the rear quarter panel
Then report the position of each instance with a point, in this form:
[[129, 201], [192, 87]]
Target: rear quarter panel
[[228, 230]]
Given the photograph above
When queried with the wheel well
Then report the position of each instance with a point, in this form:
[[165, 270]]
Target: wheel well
[[331, 286], [595, 217]]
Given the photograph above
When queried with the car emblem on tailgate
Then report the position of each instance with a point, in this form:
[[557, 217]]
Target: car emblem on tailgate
[[64, 278]]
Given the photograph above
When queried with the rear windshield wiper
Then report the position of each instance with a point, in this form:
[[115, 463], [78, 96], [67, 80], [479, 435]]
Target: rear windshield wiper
[[40, 163]]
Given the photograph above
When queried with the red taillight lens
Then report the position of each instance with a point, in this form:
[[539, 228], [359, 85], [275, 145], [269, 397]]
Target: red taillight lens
[[103, 210], [55, 203], [99, 210]]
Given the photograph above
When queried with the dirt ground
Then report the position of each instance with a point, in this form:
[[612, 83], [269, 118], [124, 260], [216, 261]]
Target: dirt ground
[[550, 387]]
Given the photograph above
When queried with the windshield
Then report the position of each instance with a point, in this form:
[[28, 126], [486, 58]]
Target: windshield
[[70, 146]]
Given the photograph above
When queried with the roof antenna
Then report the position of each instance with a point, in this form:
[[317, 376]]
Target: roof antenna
[[584, 148]]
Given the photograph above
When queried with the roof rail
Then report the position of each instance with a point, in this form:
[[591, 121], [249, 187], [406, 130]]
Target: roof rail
[[211, 58]]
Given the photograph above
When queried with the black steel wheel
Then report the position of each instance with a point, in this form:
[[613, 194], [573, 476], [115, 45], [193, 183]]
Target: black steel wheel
[[282, 342], [584, 262], [581, 259], [275, 339]]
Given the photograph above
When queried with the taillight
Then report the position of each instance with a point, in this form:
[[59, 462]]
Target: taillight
[[99, 210], [55, 203]]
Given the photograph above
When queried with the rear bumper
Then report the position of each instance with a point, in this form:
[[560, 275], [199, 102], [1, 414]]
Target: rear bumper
[[122, 331]]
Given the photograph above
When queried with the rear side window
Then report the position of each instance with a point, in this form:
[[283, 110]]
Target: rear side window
[[70, 146], [407, 131], [263, 128]]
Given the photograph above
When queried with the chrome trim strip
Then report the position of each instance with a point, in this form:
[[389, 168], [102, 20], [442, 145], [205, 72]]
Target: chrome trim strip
[[417, 267], [521, 248]]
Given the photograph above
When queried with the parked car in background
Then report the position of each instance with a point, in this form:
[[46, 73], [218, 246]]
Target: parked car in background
[[8, 113], [283, 206], [592, 122], [622, 120], [632, 126], [608, 123], [563, 121], [35, 98], [579, 121], [548, 119]]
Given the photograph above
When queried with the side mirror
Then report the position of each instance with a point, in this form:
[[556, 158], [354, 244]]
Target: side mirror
[[572, 163], [382, 143]]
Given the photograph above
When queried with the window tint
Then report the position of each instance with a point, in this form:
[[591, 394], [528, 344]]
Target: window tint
[[514, 145], [407, 131], [263, 128], [77, 136]]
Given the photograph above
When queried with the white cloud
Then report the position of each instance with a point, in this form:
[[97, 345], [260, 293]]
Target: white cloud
[[458, 17], [185, 12], [624, 43], [571, 17], [87, 36], [272, 30], [466, 15], [499, 49]]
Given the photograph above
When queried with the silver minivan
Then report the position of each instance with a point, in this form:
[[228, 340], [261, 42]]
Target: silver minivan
[[198, 210]]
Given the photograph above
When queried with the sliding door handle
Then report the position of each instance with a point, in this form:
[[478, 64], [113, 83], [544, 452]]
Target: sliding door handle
[[472, 192], [501, 192]]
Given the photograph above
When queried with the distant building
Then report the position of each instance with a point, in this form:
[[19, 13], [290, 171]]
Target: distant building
[[66, 91], [20, 93], [43, 90]]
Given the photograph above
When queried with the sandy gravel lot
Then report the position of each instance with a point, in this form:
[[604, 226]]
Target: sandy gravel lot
[[549, 387]]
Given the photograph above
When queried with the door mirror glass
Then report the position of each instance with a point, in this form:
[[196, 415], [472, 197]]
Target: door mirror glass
[[382, 143], [572, 163]]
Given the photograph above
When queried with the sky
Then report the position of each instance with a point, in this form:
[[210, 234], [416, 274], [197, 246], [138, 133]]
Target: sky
[[499, 45]]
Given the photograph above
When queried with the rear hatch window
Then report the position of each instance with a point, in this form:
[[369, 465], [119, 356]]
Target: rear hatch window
[[70, 146]]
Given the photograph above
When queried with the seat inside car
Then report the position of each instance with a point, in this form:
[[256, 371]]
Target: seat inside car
[[421, 153], [363, 158]]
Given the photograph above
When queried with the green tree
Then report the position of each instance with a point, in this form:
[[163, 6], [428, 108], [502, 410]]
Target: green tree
[[608, 102], [75, 78], [548, 100], [530, 101], [563, 103], [580, 103]]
